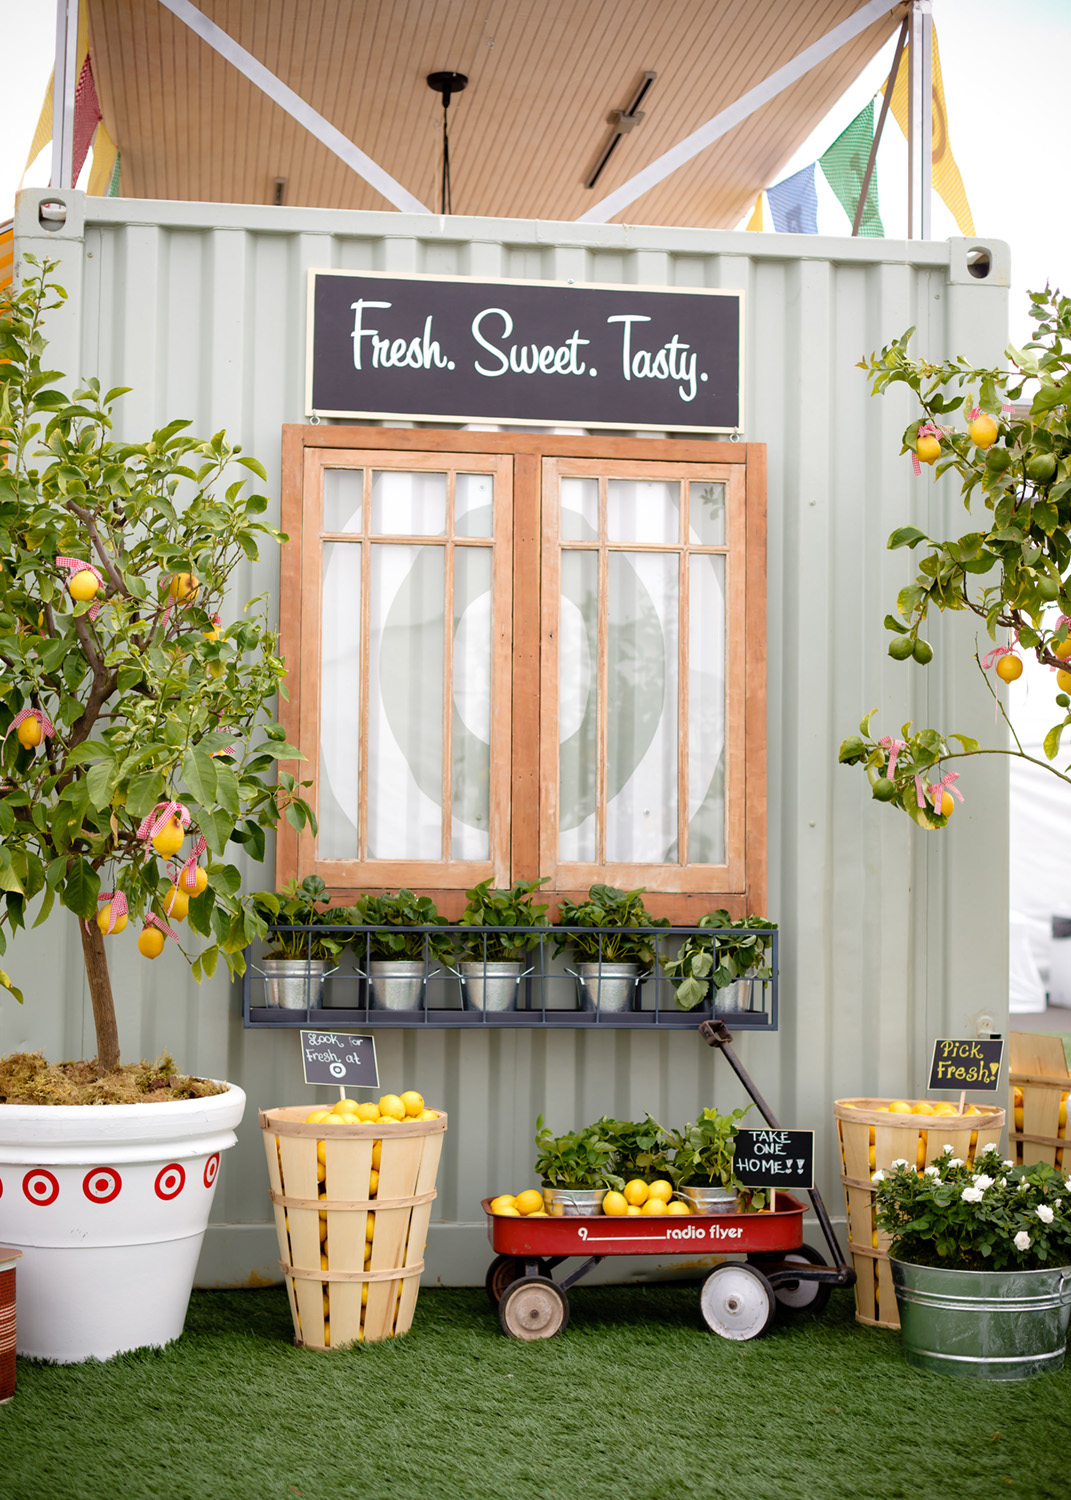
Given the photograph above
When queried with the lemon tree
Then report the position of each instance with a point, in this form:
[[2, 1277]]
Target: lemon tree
[[1007, 435], [134, 725]]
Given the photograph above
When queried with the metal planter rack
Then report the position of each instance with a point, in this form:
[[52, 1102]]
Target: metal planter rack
[[548, 993]]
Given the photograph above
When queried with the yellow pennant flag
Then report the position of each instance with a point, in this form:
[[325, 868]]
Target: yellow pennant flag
[[43, 134], [102, 171], [755, 222], [946, 178]]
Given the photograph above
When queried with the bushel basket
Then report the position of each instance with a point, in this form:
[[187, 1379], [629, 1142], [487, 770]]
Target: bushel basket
[[351, 1243]]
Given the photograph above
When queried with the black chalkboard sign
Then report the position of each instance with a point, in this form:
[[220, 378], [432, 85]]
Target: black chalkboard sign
[[775, 1158], [972, 1063], [339, 1057], [453, 349]]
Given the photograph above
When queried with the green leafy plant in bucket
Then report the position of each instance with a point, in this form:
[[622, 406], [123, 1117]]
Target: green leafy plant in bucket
[[704, 1149], [385, 915], [487, 907], [299, 905], [641, 1148], [741, 952], [607, 906], [579, 1159]]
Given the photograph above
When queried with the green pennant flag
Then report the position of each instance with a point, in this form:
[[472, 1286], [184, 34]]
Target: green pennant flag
[[844, 165]]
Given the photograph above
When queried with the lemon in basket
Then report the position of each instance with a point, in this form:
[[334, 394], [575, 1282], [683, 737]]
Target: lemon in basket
[[528, 1202], [413, 1103], [502, 1202], [391, 1107], [636, 1192], [661, 1189], [615, 1204]]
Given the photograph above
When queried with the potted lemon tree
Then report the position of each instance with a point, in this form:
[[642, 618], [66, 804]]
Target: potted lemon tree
[[135, 752]]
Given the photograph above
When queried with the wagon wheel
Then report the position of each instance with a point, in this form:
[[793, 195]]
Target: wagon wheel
[[804, 1296], [503, 1270], [737, 1302], [533, 1307]]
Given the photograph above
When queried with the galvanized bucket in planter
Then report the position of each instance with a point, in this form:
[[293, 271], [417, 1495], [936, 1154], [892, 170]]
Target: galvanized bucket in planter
[[570, 1203], [397, 983], [994, 1325], [606, 987], [710, 1200], [490, 985], [294, 983]]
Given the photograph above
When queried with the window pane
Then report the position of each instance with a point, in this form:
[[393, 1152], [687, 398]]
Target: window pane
[[405, 708], [580, 510], [706, 514], [408, 504], [473, 504], [643, 510], [470, 827], [343, 493], [340, 690], [706, 711], [641, 695], [578, 654]]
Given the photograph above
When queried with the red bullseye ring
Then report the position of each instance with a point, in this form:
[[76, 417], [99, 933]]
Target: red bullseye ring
[[170, 1181], [102, 1184], [40, 1187], [211, 1168]]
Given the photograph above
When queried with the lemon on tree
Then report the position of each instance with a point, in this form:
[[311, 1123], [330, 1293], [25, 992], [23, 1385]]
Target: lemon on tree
[[170, 838], [151, 942], [135, 726]]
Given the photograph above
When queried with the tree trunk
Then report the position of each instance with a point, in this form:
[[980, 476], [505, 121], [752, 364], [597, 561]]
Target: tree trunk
[[100, 992]]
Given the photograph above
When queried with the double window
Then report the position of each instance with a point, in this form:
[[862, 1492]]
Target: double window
[[516, 655]]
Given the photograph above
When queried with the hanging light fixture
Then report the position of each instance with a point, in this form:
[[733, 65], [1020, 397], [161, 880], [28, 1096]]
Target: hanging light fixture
[[447, 84]]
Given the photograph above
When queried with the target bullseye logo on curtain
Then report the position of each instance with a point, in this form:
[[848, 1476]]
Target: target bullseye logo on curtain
[[170, 1181], [40, 1187], [102, 1184]]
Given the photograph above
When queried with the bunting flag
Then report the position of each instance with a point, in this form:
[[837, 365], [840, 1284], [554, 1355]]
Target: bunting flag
[[104, 173], [844, 165], [946, 178], [88, 123], [755, 222], [794, 203], [87, 116]]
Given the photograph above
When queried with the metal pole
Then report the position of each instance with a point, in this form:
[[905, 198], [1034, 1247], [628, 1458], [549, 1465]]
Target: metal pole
[[926, 141], [893, 71], [63, 86]]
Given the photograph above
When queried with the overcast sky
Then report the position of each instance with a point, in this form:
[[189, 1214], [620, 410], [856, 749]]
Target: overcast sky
[[1006, 69]]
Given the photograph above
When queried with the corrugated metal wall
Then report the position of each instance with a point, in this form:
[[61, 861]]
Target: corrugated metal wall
[[890, 936]]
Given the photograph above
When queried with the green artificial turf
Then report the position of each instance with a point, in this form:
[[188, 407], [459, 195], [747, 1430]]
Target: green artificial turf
[[636, 1401]]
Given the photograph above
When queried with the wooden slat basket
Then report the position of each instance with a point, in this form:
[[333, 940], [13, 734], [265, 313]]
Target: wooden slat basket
[[870, 1138], [351, 1252], [1039, 1085]]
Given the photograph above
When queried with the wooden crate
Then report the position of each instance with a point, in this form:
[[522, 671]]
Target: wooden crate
[[870, 1138], [1039, 1085], [352, 1258], [7, 1323]]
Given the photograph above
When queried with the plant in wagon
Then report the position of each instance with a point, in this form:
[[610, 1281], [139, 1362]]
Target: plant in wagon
[[739, 950], [703, 1160], [575, 1168], [1012, 568]]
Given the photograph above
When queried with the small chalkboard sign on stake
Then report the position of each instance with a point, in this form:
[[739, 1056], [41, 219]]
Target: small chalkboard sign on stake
[[966, 1062], [339, 1057], [774, 1159]]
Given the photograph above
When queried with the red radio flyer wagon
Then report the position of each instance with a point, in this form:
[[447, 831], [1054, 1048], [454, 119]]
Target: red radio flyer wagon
[[737, 1300]]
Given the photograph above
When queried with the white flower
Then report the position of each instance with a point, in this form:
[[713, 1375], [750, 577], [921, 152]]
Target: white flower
[[972, 1195], [957, 1161], [1009, 1164], [1022, 1187], [1068, 1183], [878, 1176], [932, 1172], [1044, 1213], [1058, 1203], [982, 1181], [947, 1146], [1003, 1182], [1022, 1240], [900, 1162]]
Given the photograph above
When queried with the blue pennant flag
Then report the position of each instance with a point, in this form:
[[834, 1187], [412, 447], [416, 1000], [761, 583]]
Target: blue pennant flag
[[794, 203]]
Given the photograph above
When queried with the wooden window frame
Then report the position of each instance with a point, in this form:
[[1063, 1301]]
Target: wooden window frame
[[527, 726]]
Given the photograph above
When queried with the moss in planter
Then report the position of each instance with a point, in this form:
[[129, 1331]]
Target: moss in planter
[[26, 1078]]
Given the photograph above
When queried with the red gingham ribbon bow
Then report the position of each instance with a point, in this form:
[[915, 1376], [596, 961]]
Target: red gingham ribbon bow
[[995, 655], [938, 789], [894, 747], [150, 826], [974, 413], [926, 430], [119, 908], [186, 875], [152, 920], [47, 726], [76, 565]]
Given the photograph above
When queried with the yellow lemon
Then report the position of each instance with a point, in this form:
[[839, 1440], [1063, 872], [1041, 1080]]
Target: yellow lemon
[[677, 1206], [150, 942], [364, 1295], [373, 1183], [528, 1202], [320, 1154], [183, 587], [654, 1206], [169, 840], [503, 1201], [923, 1107], [321, 1171], [1009, 668], [377, 1152], [944, 1109], [104, 916], [323, 1267], [316, 1116], [634, 1211], [508, 1213], [368, 1113], [344, 1107], [369, 1228], [428, 1114], [661, 1189], [900, 1107], [176, 904], [984, 431], [1062, 677], [413, 1103], [1063, 650], [615, 1204], [636, 1192], [200, 882], [928, 449], [1063, 1110], [29, 733], [391, 1107], [540, 1213], [873, 1158], [83, 585]]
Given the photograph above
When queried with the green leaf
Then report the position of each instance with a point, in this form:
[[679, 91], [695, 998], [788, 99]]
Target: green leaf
[[906, 536], [1052, 741], [81, 890], [892, 623], [144, 792], [199, 773], [209, 959], [255, 466], [99, 783]]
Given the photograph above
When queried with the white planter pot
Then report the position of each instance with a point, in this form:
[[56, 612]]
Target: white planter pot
[[108, 1204]]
